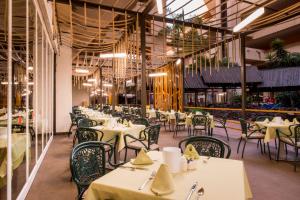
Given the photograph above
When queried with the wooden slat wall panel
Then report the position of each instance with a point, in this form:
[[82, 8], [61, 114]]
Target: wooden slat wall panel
[[168, 89]]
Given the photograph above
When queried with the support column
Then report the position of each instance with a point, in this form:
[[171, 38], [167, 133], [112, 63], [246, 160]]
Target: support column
[[63, 89], [182, 81], [243, 74], [143, 75], [101, 88]]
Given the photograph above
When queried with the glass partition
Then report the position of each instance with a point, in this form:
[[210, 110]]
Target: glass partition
[[26, 95]]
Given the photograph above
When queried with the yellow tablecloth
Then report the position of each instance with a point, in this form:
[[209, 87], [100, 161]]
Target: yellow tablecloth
[[151, 113], [221, 179], [271, 128], [120, 130], [18, 152]]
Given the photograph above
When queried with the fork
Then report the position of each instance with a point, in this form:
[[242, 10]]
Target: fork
[[147, 181]]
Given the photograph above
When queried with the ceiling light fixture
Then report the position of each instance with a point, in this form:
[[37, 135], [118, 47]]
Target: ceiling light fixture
[[256, 14], [91, 80], [107, 85], [87, 84], [159, 7], [178, 61], [82, 71], [113, 55], [30, 68], [158, 74]]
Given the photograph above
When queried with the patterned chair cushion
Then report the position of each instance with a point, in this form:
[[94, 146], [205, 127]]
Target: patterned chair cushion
[[199, 127], [139, 145], [290, 141], [256, 135]]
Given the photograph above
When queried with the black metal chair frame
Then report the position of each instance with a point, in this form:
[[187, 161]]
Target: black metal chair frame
[[194, 122], [290, 137], [145, 135], [211, 142], [246, 128], [222, 124], [178, 124], [141, 121], [74, 160]]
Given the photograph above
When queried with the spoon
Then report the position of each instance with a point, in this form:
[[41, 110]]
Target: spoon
[[200, 192]]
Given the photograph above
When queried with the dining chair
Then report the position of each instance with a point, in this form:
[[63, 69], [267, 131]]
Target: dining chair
[[179, 123], [20, 128], [221, 123], [292, 138], [148, 139], [161, 118], [88, 134], [262, 118], [141, 121], [86, 122], [207, 146], [88, 162], [250, 133], [73, 123], [200, 123]]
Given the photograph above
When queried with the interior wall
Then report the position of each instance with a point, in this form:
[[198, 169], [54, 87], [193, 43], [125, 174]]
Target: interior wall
[[80, 97], [63, 89]]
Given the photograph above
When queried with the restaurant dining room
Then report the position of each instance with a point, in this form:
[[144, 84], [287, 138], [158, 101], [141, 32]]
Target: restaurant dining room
[[149, 99]]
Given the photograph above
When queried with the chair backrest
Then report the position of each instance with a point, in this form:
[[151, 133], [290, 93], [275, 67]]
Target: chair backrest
[[208, 146], [88, 134], [157, 114], [296, 132], [199, 120], [86, 122], [263, 118], [244, 126], [73, 118], [87, 163], [142, 121], [152, 134]]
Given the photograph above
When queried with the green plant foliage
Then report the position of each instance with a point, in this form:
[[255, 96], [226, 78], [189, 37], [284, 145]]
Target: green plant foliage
[[288, 99], [279, 57]]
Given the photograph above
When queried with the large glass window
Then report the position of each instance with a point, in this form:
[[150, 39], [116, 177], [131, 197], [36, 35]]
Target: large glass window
[[26, 95]]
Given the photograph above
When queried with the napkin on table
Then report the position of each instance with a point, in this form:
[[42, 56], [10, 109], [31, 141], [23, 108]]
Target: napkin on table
[[295, 121], [190, 153], [142, 158], [286, 122], [163, 182], [266, 121]]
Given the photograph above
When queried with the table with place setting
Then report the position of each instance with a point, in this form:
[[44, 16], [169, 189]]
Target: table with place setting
[[112, 129], [273, 126], [155, 181]]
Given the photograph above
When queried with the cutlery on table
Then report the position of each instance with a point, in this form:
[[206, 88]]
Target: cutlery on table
[[193, 188], [149, 179], [200, 193]]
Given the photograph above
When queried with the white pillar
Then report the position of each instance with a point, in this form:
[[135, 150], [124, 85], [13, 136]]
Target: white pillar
[[63, 89]]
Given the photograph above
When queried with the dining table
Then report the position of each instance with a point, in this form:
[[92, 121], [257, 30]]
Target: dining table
[[220, 179], [18, 152], [120, 130]]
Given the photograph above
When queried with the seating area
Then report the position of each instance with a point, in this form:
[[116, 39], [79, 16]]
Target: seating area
[[149, 99]]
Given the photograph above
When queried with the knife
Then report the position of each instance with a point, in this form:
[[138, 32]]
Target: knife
[[193, 188]]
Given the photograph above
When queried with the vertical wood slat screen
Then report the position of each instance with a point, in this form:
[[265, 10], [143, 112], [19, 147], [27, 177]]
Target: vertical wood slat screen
[[168, 89]]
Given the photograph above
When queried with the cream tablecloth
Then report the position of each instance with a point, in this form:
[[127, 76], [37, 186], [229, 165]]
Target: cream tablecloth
[[151, 113], [271, 128], [120, 130], [18, 152], [221, 179]]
